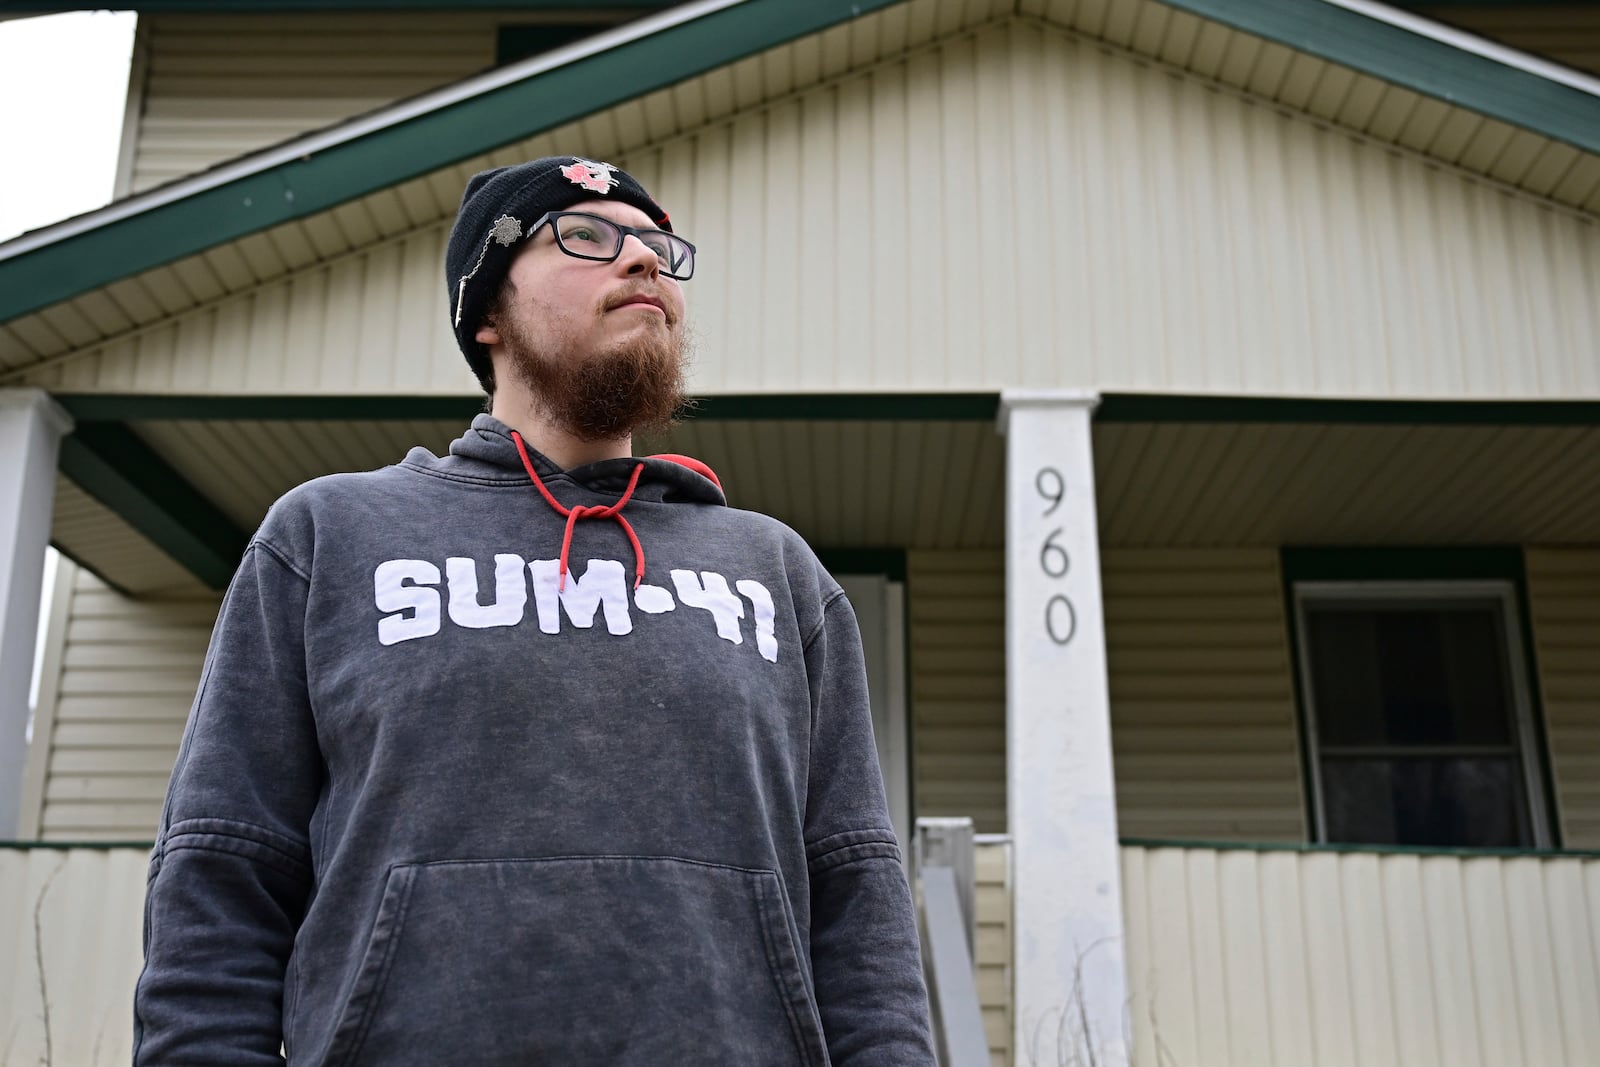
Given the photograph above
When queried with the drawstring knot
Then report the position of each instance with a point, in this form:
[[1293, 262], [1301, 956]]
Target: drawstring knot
[[587, 511]]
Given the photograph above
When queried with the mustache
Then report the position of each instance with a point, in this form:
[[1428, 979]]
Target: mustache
[[617, 299]]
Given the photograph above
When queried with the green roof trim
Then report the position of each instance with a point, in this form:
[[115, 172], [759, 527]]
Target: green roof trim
[[114, 466], [1424, 65], [420, 145], [1373, 850], [379, 159], [40, 7], [1141, 407], [101, 407]]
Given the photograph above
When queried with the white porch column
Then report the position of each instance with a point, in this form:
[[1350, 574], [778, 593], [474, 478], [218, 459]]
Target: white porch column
[[1069, 957], [31, 428]]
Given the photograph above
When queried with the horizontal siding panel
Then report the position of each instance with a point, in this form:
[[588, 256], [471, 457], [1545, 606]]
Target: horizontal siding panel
[[128, 676], [285, 75], [1203, 725], [958, 702], [1203, 721], [992, 943], [1564, 601]]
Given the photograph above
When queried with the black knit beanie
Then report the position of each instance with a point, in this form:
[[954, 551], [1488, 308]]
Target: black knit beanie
[[496, 211]]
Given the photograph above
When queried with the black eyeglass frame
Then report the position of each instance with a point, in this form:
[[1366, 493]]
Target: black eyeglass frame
[[622, 237]]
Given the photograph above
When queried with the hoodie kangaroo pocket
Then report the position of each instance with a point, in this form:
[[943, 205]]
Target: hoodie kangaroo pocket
[[604, 960]]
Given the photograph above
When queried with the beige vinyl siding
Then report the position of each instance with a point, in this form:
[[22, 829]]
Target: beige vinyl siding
[[992, 949], [1161, 232], [128, 673], [84, 954], [1326, 959], [1564, 600], [1203, 723], [956, 603], [216, 87]]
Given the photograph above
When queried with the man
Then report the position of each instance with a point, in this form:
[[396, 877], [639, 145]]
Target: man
[[534, 752]]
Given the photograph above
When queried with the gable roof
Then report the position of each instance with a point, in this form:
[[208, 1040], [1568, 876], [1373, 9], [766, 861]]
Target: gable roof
[[317, 172]]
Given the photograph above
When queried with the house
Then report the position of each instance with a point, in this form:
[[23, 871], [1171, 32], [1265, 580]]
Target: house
[[1200, 398]]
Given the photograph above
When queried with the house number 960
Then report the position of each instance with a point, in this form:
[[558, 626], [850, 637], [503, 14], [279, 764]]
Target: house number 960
[[1060, 617]]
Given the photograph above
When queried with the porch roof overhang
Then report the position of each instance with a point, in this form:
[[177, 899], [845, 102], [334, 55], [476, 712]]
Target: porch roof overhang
[[170, 486]]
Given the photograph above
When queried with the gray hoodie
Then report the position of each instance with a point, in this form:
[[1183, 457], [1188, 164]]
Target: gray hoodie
[[439, 802]]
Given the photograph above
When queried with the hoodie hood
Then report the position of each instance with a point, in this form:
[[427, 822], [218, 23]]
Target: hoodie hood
[[492, 451], [487, 453]]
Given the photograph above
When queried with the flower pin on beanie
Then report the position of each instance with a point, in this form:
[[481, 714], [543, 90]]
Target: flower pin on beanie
[[595, 177]]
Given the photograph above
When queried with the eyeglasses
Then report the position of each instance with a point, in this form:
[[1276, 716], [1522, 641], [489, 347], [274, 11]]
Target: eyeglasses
[[585, 236]]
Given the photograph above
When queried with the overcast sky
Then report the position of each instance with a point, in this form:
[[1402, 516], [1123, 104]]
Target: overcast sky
[[62, 81]]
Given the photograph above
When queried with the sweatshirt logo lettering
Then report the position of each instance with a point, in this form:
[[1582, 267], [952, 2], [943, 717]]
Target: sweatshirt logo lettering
[[408, 592]]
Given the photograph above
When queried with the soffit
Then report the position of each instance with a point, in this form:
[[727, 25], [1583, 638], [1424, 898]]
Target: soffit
[[97, 537], [840, 483], [1215, 56], [1214, 484]]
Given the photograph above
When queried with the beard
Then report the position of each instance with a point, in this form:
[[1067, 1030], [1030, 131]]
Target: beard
[[635, 386]]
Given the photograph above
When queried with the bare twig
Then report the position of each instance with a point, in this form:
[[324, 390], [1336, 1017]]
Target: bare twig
[[38, 959]]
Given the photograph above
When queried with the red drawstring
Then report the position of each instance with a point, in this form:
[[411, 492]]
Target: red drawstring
[[586, 511]]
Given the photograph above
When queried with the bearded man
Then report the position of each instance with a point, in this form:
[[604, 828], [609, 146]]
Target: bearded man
[[534, 752]]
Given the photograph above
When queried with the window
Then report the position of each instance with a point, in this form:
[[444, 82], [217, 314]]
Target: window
[[1419, 726]]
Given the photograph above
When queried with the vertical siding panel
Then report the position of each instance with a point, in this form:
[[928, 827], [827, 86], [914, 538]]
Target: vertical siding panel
[[88, 949], [1170, 1015], [1531, 965], [851, 257], [1500, 1016], [816, 246], [963, 343], [889, 293], [265, 357], [780, 282], [1450, 963], [1239, 902], [1392, 958], [1406, 919], [379, 311], [928, 243], [1372, 985], [1005, 171], [1289, 993], [1573, 947], [1213, 1011]]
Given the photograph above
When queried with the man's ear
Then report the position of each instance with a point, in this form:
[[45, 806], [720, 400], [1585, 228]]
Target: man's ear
[[487, 334]]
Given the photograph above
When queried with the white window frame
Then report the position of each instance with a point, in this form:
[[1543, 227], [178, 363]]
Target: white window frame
[[879, 604], [1426, 594]]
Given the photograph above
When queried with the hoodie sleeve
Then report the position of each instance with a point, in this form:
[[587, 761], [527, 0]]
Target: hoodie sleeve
[[865, 956], [231, 870]]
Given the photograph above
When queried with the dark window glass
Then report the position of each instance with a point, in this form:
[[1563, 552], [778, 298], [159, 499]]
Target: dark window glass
[[1415, 724], [1466, 802]]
